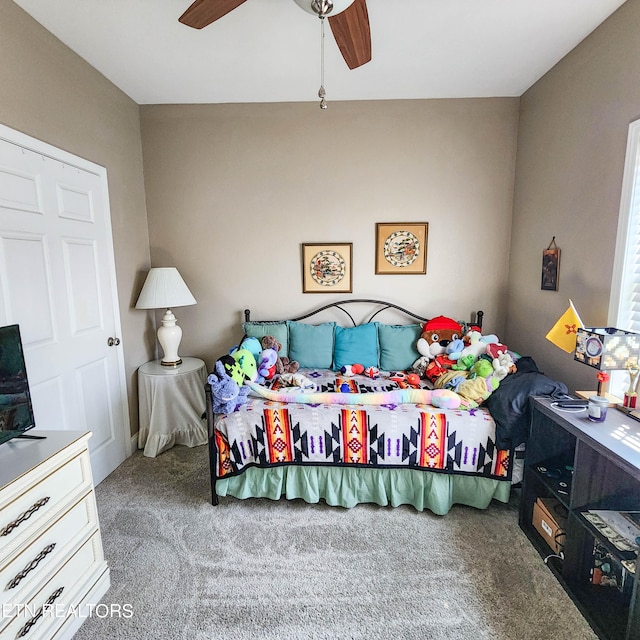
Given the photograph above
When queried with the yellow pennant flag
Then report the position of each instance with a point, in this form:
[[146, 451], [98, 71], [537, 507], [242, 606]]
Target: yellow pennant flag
[[564, 332]]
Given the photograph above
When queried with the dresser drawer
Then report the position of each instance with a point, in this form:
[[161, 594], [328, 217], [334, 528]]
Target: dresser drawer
[[22, 516], [47, 610], [35, 563]]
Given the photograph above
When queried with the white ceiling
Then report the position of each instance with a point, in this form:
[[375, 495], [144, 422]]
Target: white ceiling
[[269, 50]]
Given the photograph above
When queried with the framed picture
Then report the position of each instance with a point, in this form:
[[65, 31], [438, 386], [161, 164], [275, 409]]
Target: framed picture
[[550, 267], [401, 247], [326, 268]]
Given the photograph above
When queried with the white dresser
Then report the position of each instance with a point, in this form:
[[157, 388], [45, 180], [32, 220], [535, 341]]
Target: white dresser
[[52, 567]]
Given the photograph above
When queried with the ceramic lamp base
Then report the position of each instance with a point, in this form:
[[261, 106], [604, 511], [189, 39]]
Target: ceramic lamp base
[[169, 336]]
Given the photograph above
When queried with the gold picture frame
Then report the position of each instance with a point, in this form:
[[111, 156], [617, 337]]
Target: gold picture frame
[[401, 247], [327, 267]]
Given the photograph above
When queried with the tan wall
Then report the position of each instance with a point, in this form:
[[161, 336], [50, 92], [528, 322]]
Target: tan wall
[[233, 190], [571, 149], [48, 92]]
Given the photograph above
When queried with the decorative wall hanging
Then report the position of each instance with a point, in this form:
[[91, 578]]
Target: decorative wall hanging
[[401, 247], [326, 268], [550, 267]]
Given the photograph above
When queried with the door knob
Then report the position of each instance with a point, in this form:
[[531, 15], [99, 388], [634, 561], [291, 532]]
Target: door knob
[[113, 342]]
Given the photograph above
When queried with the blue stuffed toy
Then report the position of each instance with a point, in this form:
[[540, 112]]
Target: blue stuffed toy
[[228, 395]]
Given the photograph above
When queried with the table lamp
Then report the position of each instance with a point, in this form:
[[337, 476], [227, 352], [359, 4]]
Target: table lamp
[[607, 349], [165, 288]]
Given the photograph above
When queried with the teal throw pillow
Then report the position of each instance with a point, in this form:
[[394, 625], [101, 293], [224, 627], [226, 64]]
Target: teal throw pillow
[[311, 344], [278, 330], [356, 345], [398, 346]]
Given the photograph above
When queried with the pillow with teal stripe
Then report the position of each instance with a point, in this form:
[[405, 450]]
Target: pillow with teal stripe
[[398, 346], [278, 330], [356, 345], [311, 344]]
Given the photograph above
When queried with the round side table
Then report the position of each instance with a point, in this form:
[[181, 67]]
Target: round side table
[[171, 403]]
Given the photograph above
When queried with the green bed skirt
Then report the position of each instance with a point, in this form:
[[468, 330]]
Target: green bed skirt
[[349, 486]]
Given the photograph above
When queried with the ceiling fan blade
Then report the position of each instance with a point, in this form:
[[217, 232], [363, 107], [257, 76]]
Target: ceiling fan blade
[[352, 33], [203, 12]]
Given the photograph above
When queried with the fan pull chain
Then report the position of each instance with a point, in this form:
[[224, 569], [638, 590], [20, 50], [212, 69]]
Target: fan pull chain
[[321, 92]]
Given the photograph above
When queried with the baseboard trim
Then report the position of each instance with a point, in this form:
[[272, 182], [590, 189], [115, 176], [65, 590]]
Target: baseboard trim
[[133, 444]]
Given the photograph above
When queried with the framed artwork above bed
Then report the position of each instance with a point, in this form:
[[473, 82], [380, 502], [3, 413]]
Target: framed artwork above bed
[[327, 267], [401, 247]]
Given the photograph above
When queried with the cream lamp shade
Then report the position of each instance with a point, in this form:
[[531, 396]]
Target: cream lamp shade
[[164, 288]]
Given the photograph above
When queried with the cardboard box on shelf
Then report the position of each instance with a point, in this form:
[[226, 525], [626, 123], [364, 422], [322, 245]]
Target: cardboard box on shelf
[[550, 521]]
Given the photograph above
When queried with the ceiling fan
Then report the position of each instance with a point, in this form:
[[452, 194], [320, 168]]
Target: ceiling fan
[[348, 19]]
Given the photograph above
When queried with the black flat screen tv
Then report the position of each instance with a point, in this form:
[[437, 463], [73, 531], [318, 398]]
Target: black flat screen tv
[[16, 410]]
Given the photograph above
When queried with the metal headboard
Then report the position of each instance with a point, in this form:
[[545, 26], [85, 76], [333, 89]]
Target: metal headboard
[[383, 307]]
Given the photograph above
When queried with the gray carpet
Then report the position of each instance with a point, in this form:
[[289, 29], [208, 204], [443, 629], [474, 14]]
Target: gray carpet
[[258, 569]]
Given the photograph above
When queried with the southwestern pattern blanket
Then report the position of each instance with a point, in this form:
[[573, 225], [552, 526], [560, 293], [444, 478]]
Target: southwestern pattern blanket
[[265, 433]]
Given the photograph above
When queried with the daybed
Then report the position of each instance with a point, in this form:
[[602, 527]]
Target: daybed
[[388, 449]]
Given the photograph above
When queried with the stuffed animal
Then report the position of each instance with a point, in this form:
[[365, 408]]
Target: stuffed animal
[[475, 345], [437, 367], [227, 394], [480, 384], [240, 366], [420, 366], [494, 349], [283, 364], [298, 380], [437, 334], [352, 369], [405, 380], [267, 364], [250, 344], [503, 365], [454, 349]]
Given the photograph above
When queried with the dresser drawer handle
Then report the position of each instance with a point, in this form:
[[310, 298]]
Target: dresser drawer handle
[[50, 600], [25, 516], [30, 567]]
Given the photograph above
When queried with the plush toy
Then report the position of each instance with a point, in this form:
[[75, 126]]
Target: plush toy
[[475, 345], [405, 380], [452, 379], [420, 366], [267, 364], [372, 372], [494, 349], [503, 365], [240, 366], [464, 363], [480, 384], [438, 366], [351, 369], [250, 344], [227, 394], [454, 349], [440, 398], [298, 380], [283, 364], [437, 334], [472, 348]]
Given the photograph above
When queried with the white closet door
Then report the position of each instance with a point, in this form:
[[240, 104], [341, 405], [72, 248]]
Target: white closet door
[[57, 281]]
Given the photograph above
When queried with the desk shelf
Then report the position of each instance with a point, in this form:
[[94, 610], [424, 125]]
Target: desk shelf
[[586, 466]]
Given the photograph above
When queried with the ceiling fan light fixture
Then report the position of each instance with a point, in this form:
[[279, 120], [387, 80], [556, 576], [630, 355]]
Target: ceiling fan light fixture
[[324, 7]]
